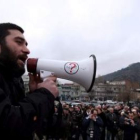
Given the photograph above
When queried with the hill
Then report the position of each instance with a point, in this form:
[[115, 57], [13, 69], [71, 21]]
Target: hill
[[131, 73]]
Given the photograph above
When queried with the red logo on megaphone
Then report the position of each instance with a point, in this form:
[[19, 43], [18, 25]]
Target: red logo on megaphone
[[71, 67]]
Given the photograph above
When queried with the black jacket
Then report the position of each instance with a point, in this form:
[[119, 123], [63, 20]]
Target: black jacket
[[20, 115]]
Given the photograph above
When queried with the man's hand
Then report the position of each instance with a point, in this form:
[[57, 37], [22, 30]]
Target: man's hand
[[50, 84], [34, 80]]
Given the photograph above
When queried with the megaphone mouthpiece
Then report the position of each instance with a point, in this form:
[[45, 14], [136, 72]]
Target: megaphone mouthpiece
[[32, 65]]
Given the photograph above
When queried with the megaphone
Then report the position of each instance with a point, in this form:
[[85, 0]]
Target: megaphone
[[82, 72]]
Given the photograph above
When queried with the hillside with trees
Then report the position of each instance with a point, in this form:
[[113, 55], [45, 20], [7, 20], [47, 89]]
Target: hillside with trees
[[130, 73]]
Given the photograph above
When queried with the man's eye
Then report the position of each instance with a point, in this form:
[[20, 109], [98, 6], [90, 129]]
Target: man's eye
[[19, 42]]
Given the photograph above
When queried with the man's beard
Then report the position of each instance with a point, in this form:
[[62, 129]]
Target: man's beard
[[9, 61]]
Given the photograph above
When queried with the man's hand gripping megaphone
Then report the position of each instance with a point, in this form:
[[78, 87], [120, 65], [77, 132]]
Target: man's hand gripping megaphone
[[43, 80]]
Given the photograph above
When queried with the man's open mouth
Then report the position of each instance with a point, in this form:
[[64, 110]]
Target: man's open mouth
[[23, 58]]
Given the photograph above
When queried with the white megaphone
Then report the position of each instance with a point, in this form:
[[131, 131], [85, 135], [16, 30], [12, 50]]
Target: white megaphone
[[82, 72]]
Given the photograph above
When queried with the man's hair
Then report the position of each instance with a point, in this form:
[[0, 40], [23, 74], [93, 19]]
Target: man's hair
[[4, 27]]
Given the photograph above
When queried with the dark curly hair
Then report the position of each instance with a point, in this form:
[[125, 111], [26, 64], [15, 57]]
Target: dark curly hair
[[4, 27]]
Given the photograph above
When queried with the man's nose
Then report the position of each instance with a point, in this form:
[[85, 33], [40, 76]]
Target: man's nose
[[26, 50]]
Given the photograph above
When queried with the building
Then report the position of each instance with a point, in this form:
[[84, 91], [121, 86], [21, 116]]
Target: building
[[69, 91], [115, 90], [109, 90], [101, 91]]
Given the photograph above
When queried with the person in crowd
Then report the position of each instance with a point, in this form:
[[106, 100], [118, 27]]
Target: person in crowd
[[102, 115], [137, 119], [135, 112], [21, 115], [117, 111], [86, 115], [126, 109], [112, 124], [129, 126], [76, 123], [66, 124], [93, 126]]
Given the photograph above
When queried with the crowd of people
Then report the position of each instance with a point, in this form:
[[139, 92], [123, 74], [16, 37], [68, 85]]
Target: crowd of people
[[89, 122]]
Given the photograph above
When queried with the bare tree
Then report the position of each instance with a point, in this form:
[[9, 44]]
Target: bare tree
[[99, 79], [128, 94]]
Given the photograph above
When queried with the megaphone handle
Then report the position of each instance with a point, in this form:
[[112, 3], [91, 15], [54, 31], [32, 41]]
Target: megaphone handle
[[45, 74]]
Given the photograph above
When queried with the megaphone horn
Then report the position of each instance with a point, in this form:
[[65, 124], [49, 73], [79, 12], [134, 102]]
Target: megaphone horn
[[82, 72]]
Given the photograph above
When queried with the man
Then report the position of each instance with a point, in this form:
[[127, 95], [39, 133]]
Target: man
[[76, 123], [93, 125], [20, 115], [112, 123], [129, 126]]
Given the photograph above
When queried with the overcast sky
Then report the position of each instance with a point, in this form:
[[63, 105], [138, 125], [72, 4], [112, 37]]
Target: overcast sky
[[75, 29]]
